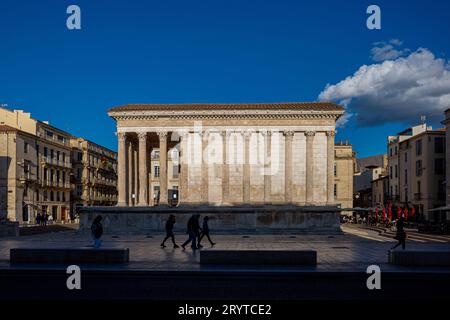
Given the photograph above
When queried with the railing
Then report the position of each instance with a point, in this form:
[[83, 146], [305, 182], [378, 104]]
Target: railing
[[55, 162], [26, 177]]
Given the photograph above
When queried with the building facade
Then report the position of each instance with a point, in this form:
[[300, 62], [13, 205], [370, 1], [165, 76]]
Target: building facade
[[94, 174], [380, 189], [42, 181], [227, 154], [417, 170], [344, 159]]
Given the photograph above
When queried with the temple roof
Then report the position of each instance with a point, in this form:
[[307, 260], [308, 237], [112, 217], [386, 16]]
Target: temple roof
[[305, 106]]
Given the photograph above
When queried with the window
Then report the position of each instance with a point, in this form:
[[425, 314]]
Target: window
[[396, 173], [335, 190], [390, 152], [57, 155], [396, 150], [25, 191], [156, 171], [45, 173], [49, 134], [439, 166], [78, 173], [406, 176], [37, 149], [45, 195], [406, 156], [79, 156], [418, 186], [25, 147], [396, 190], [52, 154], [390, 172], [391, 194], [64, 177], [418, 168], [439, 145], [419, 147], [57, 196], [63, 194], [52, 196], [45, 151]]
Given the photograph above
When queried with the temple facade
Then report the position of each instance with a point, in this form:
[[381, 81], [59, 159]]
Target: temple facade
[[226, 154]]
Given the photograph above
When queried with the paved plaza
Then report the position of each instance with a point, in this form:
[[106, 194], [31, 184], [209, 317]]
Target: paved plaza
[[353, 250]]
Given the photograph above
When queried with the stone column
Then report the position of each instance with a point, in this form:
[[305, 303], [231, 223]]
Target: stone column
[[163, 167], [121, 169], [205, 167], [246, 176], [131, 181], [183, 189], [330, 167], [268, 167], [225, 173], [143, 169], [288, 165], [309, 167]]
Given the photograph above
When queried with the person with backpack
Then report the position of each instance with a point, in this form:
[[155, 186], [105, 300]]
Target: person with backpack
[[205, 232], [169, 232], [97, 231]]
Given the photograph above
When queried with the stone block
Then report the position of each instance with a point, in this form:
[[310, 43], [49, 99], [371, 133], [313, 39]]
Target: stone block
[[259, 257]]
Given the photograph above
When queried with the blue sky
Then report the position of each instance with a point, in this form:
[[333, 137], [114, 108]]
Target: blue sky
[[201, 51]]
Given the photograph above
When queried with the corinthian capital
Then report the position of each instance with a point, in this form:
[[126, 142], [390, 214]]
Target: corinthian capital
[[289, 133], [121, 136], [142, 136], [331, 133], [310, 134], [162, 135]]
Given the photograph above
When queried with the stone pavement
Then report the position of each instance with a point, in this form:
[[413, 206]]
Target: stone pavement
[[346, 252]]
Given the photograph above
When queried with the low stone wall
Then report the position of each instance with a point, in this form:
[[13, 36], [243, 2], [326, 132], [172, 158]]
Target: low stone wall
[[223, 220], [9, 229]]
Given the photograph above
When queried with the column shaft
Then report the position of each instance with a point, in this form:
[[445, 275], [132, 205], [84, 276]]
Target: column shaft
[[225, 172], [288, 166], [310, 167], [268, 167], [143, 169], [163, 167], [246, 176], [205, 167], [122, 169], [183, 188], [330, 167]]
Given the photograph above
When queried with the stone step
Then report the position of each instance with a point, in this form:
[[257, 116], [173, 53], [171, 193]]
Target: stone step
[[69, 255], [259, 257]]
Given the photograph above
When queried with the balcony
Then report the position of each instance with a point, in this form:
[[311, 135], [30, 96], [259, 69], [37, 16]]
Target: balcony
[[26, 177], [54, 162]]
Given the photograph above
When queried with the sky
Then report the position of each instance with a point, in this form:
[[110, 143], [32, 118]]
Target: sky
[[227, 51]]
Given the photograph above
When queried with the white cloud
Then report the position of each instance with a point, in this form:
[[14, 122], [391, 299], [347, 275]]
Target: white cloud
[[399, 90], [387, 51]]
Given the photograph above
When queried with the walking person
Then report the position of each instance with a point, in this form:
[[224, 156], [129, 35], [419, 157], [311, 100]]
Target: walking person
[[97, 231], [38, 218], [192, 231], [205, 232], [169, 232], [401, 234]]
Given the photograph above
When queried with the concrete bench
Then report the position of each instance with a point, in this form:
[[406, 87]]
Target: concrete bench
[[419, 258], [259, 257], [69, 255]]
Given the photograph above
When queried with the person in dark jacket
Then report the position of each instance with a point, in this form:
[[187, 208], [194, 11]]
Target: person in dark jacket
[[401, 234], [193, 227], [97, 231], [169, 231], [38, 218], [205, 232]]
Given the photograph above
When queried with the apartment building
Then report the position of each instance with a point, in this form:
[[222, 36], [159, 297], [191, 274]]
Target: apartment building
[[417, 170], [37, 169], [94, 174], [344, 159]]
